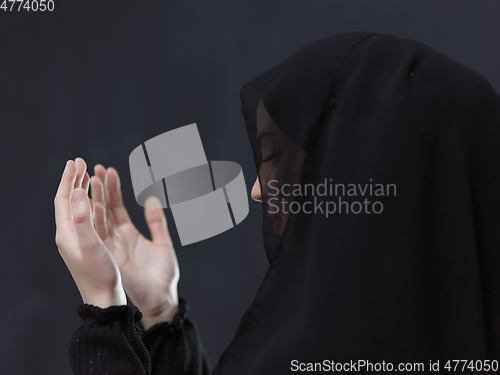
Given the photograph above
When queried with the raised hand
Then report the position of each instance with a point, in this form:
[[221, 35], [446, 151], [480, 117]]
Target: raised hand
[[149, 269], [89, 260]]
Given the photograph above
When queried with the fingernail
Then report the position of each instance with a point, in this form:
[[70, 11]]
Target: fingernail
[[153, 202], [78, 196]]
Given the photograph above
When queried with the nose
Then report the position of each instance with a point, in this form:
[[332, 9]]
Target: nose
[[256, 193]]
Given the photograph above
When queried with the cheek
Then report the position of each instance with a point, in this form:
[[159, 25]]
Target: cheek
[[267, 173], [298, 163]]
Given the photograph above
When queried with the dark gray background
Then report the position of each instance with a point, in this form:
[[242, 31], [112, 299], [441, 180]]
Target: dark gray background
[[95, 79]]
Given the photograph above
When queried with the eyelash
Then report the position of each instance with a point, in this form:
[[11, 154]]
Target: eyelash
[[270, 157]]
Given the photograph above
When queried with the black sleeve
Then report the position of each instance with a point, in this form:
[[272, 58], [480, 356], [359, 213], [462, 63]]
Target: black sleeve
[[175, 347], [111, 341]]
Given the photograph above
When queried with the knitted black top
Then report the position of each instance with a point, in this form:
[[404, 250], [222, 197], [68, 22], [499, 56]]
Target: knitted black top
[[112, 341]]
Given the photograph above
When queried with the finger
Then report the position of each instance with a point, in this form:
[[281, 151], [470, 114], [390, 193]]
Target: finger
[[87, 236], [97, 189], [86, 182], [157, 222], [100, 172], [99, 196], [62, 202], [91, 208], [100, 220], [114, 197], [81, 168]]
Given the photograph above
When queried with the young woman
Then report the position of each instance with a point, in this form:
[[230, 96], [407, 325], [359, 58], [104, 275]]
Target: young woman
[[377, 161]]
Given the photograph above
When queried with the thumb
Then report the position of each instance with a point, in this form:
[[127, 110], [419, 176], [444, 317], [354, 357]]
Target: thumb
[[81, 212], [156, 220]]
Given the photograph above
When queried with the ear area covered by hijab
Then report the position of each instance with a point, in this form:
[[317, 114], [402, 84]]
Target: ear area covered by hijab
[[386, 155]]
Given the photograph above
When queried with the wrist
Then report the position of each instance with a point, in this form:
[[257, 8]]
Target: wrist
[[163, 313], [104, 300]]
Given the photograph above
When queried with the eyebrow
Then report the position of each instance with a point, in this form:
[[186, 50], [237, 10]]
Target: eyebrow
[[265, 134]]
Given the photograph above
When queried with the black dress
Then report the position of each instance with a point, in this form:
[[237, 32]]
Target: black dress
[[112, 341]]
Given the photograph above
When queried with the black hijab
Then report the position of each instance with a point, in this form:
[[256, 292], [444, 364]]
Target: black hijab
[[397, 123]]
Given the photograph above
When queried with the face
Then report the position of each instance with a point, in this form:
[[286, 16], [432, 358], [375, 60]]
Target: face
[[278, 152]]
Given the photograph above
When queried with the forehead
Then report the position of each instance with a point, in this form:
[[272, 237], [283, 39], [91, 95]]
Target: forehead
[[268, 130], [265, 124]]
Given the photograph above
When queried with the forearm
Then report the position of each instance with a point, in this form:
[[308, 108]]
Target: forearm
[[112, 341], [175, 347], [109, 341]]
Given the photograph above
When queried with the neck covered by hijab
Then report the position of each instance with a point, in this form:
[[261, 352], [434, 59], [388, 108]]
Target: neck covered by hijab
[[379, 165]]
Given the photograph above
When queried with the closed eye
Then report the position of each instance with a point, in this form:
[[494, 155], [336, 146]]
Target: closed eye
[[270, 157]]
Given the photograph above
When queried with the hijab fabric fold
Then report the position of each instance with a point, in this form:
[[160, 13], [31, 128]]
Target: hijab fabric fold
[[417, 281]]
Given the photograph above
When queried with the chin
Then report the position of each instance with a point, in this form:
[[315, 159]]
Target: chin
[[282, 227]]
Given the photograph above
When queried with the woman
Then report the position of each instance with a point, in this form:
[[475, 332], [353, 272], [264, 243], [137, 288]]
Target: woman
[[377, 162]]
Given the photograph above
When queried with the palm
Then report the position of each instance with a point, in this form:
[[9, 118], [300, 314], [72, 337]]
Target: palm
[[90, 262], [149, 269]]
